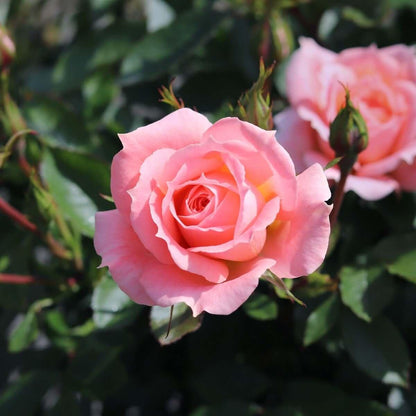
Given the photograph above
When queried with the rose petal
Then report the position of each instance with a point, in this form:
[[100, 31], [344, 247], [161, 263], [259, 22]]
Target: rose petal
[[213, 270], [371, 188], [303, 82], [151, 172], [274, 158], [168, 288], [405, 56], [406, 175], [295, 135], [249, 244], [174, 131], [121, 250], [299, 245]]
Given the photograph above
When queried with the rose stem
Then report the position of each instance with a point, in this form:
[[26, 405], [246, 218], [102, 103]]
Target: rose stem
[[18, 217], [338, 198], [17, 279]]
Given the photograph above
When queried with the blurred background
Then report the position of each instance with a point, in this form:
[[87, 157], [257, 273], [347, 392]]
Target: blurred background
[[71, 343]]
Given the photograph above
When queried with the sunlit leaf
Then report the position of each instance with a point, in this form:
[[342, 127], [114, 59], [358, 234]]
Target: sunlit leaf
[[111, 306], [398, 253], [321, 320], [367, 291], [24, 333], [182, 323], [76, 206], [158, 51]]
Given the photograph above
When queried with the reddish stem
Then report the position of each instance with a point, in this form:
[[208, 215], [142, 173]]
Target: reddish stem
[[338, 198], [18, 217], [17, 279]]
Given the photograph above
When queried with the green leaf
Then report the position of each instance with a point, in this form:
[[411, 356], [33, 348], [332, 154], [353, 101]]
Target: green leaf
[[377, 348], [58, 125], [321, 320], [72, 66], [182, 323], [24, 395], [91, 174], [155, 54], [357, 17], [56, 321], [401, 3], [315, 285], [98, 90], [366, 291], [261, 307], [398, 254], [74, 204], [279, 76], [24, 333], [111, 306]]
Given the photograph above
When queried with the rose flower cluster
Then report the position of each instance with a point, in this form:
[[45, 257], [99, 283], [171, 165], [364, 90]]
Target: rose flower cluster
[[203, 210]]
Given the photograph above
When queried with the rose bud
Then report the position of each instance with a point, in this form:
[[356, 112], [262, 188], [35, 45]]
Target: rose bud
[[7, 48], [348, 135]]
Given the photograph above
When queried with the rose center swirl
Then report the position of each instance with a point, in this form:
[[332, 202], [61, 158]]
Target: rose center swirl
[[198, 198]]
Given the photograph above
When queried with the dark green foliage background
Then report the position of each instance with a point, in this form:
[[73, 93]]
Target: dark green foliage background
[[72, 343]]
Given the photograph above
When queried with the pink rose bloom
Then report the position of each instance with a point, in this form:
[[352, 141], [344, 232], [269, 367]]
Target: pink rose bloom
[[203, 210], [382, 83]]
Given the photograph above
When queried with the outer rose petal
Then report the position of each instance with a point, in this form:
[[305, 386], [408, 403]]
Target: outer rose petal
[[299, 245], [149, 282], [371, 188], [295, 135], [168, 286], [406, 175], [174, 131], [303, 86], [121, 250], [406, 57]]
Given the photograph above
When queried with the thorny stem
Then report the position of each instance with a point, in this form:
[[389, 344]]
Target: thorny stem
[[20, 219]]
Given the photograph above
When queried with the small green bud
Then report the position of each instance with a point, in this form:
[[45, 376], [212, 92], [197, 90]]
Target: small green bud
[[7, 48], [254, 105], [348, 135]]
